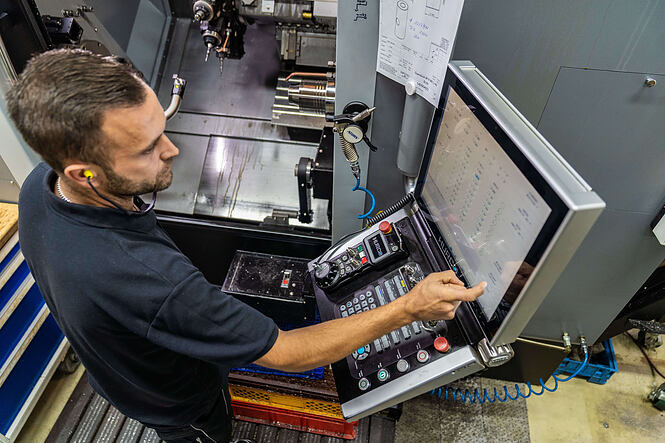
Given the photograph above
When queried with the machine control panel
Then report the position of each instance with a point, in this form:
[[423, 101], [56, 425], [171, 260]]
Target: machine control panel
[[371, 272]]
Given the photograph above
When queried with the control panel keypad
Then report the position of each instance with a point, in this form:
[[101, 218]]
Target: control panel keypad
[[381, 293], [381, 281]]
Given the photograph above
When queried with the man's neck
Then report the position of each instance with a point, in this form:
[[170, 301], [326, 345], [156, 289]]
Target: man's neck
[[89, 197]]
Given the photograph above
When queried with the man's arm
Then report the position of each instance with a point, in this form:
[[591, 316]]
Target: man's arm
[[435, 298]]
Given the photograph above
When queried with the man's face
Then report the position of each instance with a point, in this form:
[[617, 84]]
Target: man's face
[[139, 154]]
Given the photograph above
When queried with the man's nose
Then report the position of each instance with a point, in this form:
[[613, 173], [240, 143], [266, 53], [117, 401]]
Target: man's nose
[[170, 151]]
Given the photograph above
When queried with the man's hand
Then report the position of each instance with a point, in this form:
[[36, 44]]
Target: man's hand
[[438, 295]]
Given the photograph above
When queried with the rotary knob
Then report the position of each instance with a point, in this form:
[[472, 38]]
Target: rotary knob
[[325, 274]]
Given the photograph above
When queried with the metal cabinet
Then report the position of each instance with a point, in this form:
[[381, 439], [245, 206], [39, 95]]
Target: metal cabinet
[[31, 345], [608, 125]]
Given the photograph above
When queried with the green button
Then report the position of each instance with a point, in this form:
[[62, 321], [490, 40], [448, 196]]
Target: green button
[[382, 375], [360, 248]]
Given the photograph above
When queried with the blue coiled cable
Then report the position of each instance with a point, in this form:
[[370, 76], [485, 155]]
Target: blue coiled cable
[[466, 395], [357, 187]]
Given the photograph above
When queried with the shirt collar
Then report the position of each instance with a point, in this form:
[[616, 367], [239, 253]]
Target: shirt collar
[[94, 215]]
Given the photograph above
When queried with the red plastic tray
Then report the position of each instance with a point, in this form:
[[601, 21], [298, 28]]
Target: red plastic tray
[[299, 421]]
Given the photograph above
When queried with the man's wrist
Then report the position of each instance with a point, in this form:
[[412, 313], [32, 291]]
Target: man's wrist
[[403, 310]]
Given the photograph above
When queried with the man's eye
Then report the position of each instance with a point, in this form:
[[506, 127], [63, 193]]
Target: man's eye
[[148, 151]]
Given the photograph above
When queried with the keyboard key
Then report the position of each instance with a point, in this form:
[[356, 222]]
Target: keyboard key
[[395, 336], [400, 285], [406, 332], [379, 295], [416, 327], [390, 289], [384, 342]]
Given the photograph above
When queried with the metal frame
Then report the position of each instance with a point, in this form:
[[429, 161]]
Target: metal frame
[[35, 394], [5, 61], [459, 364], [23, 343], [357, 40]]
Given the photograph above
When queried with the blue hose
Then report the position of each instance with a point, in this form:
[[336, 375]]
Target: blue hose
[[476, 397], [357, 187]]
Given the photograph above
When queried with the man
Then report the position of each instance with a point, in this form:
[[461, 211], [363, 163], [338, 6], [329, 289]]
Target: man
[[155, 337]]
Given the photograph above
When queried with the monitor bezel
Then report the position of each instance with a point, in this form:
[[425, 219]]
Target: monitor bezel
[[526, 167]]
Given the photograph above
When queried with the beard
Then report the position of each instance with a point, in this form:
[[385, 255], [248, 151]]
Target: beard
[[121, 186]]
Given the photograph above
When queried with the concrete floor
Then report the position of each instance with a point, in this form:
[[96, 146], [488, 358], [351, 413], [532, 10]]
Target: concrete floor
[[579, 411], [615, 412]]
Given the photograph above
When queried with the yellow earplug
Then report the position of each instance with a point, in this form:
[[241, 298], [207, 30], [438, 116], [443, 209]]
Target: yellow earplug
[[88, 174]]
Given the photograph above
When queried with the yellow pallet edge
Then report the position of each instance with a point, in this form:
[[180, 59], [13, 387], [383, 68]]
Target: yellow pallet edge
[[284, 401], [8, 221]]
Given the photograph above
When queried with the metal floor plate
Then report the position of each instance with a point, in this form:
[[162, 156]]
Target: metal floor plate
[[88, 418], [248, 179], [180, 197]]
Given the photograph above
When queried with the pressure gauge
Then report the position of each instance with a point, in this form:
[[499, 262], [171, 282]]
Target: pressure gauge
[[353, 134]]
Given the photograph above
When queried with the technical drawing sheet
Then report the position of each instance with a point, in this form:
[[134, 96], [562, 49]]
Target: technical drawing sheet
[[415, 41]]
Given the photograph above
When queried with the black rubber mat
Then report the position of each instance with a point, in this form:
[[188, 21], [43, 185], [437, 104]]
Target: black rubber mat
[[88, 418]]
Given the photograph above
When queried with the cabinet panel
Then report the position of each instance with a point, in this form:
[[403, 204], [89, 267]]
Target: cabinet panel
[[609, 126]]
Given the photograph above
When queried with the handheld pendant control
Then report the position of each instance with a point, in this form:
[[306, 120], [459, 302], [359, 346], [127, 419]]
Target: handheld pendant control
[[379, 247]]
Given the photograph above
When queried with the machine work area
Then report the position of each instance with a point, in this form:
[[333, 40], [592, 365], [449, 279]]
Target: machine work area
[[366, 221]]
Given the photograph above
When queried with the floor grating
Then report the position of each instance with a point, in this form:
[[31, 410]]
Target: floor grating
[[89, 418]]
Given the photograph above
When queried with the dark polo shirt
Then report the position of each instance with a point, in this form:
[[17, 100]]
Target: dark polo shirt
[[156, 338]]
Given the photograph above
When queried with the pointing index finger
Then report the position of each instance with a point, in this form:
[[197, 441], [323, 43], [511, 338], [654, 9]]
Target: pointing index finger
[[472, 293]]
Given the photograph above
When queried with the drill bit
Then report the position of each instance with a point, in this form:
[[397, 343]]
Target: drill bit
[[221, 65], [208, 51]]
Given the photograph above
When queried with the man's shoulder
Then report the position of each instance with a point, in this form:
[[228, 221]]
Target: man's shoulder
[[33, 185]]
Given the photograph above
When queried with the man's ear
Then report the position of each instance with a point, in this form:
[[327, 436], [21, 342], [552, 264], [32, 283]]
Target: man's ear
[[78, 173]]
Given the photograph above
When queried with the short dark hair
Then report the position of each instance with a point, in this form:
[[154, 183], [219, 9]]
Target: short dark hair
[[59, 99]]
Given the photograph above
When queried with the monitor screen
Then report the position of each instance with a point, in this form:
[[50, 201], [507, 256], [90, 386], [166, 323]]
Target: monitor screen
[[495, 212]]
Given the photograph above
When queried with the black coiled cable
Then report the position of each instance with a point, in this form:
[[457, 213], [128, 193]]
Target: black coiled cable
[[408, 198]]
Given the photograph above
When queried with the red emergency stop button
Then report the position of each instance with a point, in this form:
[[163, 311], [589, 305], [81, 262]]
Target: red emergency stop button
[[385, 227], [441, 344]]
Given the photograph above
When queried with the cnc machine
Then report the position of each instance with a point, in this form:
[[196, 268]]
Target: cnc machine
[[262, 170]]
